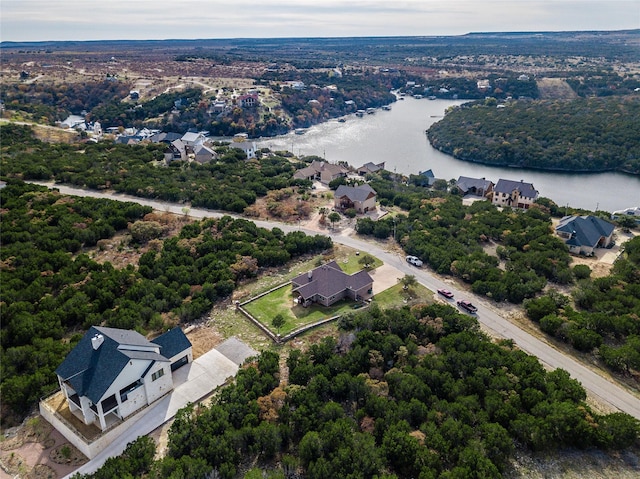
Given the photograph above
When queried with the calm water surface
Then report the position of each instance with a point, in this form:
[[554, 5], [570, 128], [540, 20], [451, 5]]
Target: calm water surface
[[398, 138]]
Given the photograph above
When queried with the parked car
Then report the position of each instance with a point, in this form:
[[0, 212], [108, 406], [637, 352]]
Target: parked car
[[414, 260], [446, 293], [466, 305]]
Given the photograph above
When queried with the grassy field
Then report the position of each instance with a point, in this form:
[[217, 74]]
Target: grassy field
[[396, 297]]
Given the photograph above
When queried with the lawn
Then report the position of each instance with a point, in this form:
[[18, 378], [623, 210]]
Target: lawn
[[395, 296], [280, 301], [350, 263]]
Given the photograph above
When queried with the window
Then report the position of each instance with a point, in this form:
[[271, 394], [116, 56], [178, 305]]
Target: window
[[157, 374], [124, 392]]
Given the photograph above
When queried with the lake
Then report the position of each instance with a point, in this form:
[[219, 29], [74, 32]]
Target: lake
[[398, 138]]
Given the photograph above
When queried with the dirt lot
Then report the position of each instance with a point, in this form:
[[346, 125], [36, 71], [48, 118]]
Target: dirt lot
[[555, 89]]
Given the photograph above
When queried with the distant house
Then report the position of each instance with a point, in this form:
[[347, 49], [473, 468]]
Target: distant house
[[134, 94], [96, 128], [165, 137], [583, 234], [483, 85], [112, 373], [72, 121], [362, 198], [219, 106], [370, 168], [190, 139], [632, 212], [321, 171], [424, 178], [249, 100], [249, 147], [328, 284], [514, 194], [474, 186], [176, 151], [128, 140], [204, 154]]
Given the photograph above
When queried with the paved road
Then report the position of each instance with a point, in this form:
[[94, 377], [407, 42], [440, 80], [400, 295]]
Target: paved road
[[600, 387]]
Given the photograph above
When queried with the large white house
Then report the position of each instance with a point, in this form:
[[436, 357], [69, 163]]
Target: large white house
[[112, 373]]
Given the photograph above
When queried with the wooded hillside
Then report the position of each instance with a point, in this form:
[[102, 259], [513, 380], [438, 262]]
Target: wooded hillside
[[593, 134]]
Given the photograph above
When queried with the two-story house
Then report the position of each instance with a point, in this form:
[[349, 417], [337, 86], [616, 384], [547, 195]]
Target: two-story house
[[362, 198], [514, 194], [112, 373]]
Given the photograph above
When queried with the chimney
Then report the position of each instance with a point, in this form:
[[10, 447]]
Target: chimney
[[97, 341], [310, 275]]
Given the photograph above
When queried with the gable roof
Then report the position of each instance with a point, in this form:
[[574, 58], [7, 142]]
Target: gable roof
[[508, 186], [328, 280], [165, 137], [203, 150], [191, 137], [465, 183], [355, 193], [172, 342], [372, 167], [317, 167], [585, 230], [91, 371]]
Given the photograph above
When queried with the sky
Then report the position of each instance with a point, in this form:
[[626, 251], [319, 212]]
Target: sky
[[42, 20]]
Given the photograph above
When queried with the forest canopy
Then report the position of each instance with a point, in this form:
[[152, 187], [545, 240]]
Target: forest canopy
[[586, 134], [52, 290], [411, 392]]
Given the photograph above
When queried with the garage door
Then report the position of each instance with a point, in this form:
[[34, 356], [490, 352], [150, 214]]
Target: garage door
[[179, 363]]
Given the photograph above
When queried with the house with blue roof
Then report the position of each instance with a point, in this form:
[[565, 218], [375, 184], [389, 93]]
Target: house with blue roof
[[112, 373], [514, 194], [583, 234]]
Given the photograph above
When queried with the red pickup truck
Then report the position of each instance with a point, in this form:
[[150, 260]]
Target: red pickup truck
[[466, 305]]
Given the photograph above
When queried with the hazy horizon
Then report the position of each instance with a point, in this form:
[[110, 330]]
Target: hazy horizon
[[70, 20]]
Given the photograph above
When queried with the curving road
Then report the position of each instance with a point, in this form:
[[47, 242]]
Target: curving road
[[599, 387]]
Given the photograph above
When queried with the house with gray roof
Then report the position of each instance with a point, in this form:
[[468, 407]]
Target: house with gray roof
[[474, 186], [362, 198], [370, 168], [176, 151], [633, 212], [320, 171], [514, 194], [204, 154], [192, 138], [583, 234], [328, 284], [112, 373]]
